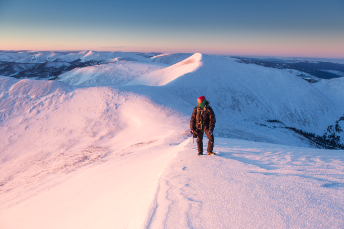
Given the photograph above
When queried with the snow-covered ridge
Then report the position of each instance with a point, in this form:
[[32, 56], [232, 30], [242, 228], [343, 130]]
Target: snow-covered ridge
[[117, 155], [129, 72], [168, 74], [53, 65], [50, 129], [246, 96]]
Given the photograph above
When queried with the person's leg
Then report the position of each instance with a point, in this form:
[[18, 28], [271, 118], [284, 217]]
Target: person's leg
[[210, 142], [200, 141]]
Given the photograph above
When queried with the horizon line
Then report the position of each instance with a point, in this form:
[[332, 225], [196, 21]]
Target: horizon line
[[161, 52]]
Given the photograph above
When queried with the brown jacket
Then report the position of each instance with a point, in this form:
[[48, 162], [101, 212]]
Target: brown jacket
[[202, 119]]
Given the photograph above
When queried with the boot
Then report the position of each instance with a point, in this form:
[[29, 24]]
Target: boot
[[210, 153], [200, 153]]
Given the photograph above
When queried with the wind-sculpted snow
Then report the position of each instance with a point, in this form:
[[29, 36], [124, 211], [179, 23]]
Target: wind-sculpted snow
[[166, 75], [51, 132], [170, 59], [251, 185], [110, 148]]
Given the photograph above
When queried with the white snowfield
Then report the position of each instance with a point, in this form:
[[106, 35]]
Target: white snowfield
[[119, 156]]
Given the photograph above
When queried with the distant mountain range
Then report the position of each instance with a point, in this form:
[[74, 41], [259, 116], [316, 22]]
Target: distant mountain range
[[50, 65], [308, 70]]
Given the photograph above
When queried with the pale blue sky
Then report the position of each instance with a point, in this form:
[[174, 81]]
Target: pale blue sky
[[247, 27]]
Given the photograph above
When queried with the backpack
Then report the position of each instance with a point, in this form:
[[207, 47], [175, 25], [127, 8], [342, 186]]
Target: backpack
[[199, 114]]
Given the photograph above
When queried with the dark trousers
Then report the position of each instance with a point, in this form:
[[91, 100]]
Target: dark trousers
[[200, 140]]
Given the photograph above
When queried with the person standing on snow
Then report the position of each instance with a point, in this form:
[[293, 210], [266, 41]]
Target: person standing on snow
[[203, 120]]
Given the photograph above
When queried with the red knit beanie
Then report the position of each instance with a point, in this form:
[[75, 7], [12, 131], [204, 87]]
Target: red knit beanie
[[200, 99]]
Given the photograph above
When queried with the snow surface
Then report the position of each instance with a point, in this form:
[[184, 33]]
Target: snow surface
[[114, 74], [166, 75], [127, 70], [239, 91], [51, 132], [251, 185], [119, 156]]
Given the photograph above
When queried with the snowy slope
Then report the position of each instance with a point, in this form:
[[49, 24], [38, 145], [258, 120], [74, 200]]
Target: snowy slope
[[168, 74], [333, 89], [114, 74], [245, 97], [257, 93], [239, 91], [131, 69], [119, 156], [53, 134], [251, 185], [155, 71], [170, 58], [248, 185]]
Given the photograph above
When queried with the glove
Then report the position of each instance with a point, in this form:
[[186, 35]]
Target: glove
[[211, 132], [194, 133]]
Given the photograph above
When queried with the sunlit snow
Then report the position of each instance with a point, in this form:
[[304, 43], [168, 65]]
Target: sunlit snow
[[108, 146]]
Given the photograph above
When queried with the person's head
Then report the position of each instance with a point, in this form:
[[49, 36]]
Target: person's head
[[201, 102]]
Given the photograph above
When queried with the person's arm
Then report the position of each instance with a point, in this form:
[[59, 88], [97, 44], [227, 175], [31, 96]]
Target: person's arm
[[212, 119], [193, 120]]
